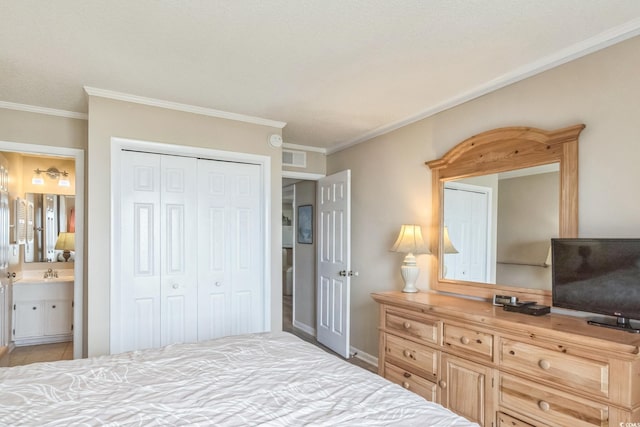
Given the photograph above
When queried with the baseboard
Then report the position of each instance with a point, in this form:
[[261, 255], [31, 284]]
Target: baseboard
[[365, 357], [42, 340], [304, 328]]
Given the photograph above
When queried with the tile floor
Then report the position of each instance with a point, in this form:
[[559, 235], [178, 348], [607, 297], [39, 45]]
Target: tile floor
[[287, 309], [41, 353]]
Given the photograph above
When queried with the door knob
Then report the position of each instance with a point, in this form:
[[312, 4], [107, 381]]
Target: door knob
[[349, 273], [175, 286]]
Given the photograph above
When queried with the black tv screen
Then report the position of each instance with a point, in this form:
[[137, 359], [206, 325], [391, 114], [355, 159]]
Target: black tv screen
[[597, 276]]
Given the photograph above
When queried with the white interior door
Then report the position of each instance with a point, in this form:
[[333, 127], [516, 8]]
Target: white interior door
[[334, 261], [231, 296], [158, 289]]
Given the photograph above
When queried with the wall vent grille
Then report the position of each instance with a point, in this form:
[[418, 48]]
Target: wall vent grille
[[294, 158]]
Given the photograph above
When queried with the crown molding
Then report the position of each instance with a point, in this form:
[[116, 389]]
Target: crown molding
[[43, 110], [304, 148], [601, 41], [104, 93]]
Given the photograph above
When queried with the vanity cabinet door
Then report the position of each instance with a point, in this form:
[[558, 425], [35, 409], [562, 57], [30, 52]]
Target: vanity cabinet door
[[59, 317], [28, 320]]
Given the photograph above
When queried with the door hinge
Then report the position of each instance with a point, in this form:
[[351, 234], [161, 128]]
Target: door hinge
[[72, 327], [14, 307], [492, 382], [73, 304], [14, 332]]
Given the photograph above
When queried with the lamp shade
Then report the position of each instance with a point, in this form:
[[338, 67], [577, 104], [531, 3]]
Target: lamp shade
[[410, 241], [447, 246], [547, 262], [66, 242]]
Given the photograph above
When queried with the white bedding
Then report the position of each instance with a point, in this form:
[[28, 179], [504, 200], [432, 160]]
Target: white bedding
[[272, 379]]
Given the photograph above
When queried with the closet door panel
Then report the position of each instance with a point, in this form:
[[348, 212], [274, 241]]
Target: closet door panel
[[179, 287], [137, 324], [247, 266], [230, 251], [214, 287]]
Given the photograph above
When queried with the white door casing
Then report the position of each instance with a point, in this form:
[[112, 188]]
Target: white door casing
[[334, 261], [230, 291]]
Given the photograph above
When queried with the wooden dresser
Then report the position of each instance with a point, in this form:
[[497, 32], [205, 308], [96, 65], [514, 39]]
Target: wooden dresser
[[504, 369]]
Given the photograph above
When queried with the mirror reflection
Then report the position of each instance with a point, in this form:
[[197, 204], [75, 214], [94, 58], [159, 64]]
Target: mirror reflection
[[50, 216], [497, 227]]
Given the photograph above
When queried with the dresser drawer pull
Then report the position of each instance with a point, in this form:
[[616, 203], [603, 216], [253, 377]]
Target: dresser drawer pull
[[406, 325], [544, 405], [405, 385], [407, 353], [407, 375], [464, 340], [442, 384], [544, 364]]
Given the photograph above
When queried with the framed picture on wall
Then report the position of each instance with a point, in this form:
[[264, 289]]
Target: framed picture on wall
[[305, 224]]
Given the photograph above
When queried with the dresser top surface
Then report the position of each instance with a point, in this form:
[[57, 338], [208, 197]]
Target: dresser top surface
[[481, 312]]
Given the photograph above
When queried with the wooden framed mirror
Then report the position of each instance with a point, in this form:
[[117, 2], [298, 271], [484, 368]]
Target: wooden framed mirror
[[481, 267]]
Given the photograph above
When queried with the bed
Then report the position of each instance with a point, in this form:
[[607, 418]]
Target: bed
[[269, 379]]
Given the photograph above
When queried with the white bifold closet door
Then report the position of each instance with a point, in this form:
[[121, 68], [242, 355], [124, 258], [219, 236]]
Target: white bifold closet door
[[191, 250], [230, 251]]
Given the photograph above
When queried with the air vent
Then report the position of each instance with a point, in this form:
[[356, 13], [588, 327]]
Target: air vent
[[294, 158]]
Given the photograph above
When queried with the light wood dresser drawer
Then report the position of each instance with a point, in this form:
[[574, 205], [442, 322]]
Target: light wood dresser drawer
[[505, 420], [469, 341], [550, 406], [556, 366], [422, 329], [410, 381], [412, 356]]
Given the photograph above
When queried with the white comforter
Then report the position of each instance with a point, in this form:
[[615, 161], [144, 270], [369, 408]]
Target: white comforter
[[261, 379]]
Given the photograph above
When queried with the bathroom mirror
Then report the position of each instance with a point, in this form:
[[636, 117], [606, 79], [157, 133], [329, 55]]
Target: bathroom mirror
[[518, 266], [48, 216]]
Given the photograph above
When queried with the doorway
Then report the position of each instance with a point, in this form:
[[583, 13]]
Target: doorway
[[298, 263], [72, 274]]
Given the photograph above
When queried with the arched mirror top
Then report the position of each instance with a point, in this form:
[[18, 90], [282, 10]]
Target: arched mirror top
[[494, 153]]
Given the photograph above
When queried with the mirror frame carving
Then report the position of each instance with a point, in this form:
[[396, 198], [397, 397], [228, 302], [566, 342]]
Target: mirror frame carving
[[501, 150]]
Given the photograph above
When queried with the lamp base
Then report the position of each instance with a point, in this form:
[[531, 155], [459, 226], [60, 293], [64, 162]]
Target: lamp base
[[410, 272]]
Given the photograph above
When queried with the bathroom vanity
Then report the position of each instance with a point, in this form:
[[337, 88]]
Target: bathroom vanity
[[42, 310]]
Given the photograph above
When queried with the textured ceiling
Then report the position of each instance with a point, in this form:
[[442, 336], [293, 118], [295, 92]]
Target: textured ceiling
[[336, 71]]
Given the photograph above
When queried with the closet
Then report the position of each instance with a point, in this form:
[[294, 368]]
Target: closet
[[191, 251]]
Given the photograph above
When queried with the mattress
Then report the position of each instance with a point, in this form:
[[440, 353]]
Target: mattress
[[269, 379]]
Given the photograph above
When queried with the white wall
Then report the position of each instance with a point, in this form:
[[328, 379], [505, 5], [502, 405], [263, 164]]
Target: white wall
[[391, 185]]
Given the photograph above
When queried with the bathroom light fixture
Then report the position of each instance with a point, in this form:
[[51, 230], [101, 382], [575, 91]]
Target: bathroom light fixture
[[53, 173], [410, 241]]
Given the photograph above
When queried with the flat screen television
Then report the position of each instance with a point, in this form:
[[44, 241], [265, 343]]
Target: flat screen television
[[598, 276]]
